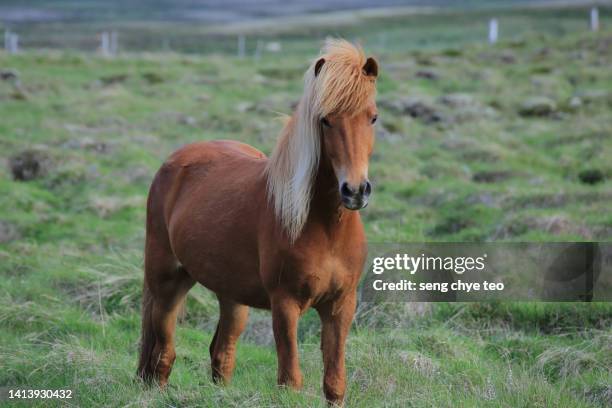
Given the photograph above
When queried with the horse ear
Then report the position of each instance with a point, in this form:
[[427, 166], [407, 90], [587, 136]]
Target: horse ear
[[370, 68], [319, 65]]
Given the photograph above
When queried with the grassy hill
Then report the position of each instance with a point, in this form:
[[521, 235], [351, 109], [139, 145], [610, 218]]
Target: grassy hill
[[475, 142]]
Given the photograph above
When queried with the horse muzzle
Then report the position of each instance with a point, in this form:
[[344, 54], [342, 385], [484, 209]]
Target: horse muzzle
[[355, 198]]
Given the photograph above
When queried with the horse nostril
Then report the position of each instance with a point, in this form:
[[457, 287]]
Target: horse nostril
[[346, 191], [365, 188]]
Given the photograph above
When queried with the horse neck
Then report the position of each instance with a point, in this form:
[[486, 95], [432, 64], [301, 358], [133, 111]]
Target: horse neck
[[325, 205]]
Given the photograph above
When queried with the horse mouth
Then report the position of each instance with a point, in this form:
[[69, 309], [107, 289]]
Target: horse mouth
[[354, 204]]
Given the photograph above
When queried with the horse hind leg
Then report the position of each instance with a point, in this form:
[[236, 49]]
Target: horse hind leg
[[165, 287], [211, 348], [232, 321]]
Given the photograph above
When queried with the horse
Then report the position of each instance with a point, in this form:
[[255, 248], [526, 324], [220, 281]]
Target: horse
[[281, 233]]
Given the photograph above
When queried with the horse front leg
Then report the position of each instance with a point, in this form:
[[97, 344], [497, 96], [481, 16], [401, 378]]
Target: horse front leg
[[336, 319], [285, 316]]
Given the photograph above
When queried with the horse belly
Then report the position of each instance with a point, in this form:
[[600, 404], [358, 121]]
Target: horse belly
[[220, 253], [233, 276]]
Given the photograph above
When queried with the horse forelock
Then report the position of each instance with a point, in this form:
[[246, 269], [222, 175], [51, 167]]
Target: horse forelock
[[340, 87]]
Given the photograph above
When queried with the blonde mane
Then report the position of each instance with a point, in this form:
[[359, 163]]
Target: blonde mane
[[340, 87]]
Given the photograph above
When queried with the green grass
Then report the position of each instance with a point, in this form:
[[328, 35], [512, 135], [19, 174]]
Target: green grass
[[71, 273]]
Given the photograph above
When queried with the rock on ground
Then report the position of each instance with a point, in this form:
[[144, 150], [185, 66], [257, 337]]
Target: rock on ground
[[538, 106], [29, 164], [414, 106], [9, 75], [591, 176], [428, 74], [456, 100]]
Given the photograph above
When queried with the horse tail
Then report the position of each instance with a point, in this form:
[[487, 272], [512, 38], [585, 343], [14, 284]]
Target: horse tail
[[147, 338]]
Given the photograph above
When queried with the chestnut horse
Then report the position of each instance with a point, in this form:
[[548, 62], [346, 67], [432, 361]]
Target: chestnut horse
[[279, 233]]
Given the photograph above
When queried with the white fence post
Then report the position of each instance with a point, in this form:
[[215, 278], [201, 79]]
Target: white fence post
[[104, 43], [241, 46], [594, 19], [14, 43], [11, 42], [493, 31]]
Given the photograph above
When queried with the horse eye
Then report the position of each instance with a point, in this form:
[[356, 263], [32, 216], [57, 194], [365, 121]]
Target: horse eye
[[374, 119], [325, 122]]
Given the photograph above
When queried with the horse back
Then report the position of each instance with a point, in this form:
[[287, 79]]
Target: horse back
[[202, 152]]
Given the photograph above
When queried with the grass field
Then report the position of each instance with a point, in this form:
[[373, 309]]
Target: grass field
[[511, 142]]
